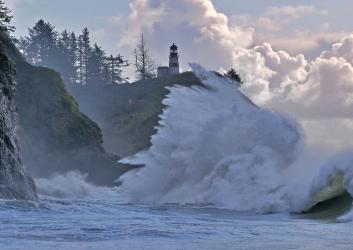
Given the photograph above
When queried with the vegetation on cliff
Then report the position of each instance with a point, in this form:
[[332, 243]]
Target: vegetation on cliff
[[128, 113], [54, 135]]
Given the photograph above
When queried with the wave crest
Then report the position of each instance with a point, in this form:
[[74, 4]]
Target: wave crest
[[214, 146]]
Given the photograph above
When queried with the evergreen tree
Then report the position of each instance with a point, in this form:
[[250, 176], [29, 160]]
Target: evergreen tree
[[84, 50], [144, 64], [5, 19], [65, 42], [73, 50], [233, 75], [95, 66], [80, 67], [42, 42], [22, 45], [114, 64], [73, 57], [62, 62]]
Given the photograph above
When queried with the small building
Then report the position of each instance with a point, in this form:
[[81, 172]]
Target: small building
[[163, 71], [173, 68]]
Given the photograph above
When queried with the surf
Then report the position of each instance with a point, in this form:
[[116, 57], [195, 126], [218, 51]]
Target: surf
[[214, 146]]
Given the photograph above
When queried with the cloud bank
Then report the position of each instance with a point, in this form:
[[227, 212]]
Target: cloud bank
[[199, 15], [319, 87]]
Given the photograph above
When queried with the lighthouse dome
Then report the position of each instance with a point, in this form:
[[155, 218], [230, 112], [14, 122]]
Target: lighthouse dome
[[173, 47]]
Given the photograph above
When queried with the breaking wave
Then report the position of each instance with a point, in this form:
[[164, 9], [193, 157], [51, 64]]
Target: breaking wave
[[72, 185], [214, 146]]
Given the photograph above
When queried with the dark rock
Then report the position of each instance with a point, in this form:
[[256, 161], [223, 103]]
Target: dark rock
[[55, 137], [15, 182]]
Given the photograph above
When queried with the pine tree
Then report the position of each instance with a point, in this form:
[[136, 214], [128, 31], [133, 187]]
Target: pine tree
[[73, 60], [5, 19], [233, 75], [65, 41], [144, 64], [80, 67], [114, 65], [73, 57], [22, 45], [62, 62], [42, 44], [95, 66], [84, 50]]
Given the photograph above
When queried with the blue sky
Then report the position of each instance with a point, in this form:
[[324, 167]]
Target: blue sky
[[83, 12], [76, 14], [298, 26], [80, 13]]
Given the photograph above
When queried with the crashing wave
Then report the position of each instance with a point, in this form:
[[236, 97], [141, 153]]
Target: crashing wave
[[214, 146], [73, 186]]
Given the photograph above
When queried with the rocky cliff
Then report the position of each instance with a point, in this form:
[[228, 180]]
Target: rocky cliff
[[128, 113], [15, 182], [54, 135]]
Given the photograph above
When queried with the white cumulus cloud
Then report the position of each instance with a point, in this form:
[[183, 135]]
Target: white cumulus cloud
[[198, 15], [293, 83], [322, 87]]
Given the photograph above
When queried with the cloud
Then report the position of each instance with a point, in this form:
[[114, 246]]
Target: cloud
[[269, 24], [112, 20], [142, 18], [205, 24], [276, 18], [202, 33], [268, 73], [321, 88], [312, 44], [277, 26], [343, 49], [294, 12], [198, 15], [214, 26]]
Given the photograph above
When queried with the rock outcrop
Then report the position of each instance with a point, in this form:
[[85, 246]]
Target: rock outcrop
[[128, 113], [15, 181], [55, 137]]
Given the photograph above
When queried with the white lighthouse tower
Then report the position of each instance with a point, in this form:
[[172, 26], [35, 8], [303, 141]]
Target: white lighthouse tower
[[174, 60]]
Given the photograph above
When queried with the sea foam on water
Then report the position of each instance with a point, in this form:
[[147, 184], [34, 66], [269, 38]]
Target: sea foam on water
[[214, 146]]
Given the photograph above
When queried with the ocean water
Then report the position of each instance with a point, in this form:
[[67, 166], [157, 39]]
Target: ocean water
[[106, 223], [221, 173], [74, 214]]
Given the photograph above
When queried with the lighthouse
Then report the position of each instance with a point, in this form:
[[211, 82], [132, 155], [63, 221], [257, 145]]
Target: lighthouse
[[174, 60], [173, 68]]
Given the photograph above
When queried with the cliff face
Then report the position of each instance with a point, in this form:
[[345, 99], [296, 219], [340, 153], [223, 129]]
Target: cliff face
[[54, 135], [128, 113], [15, 182]]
